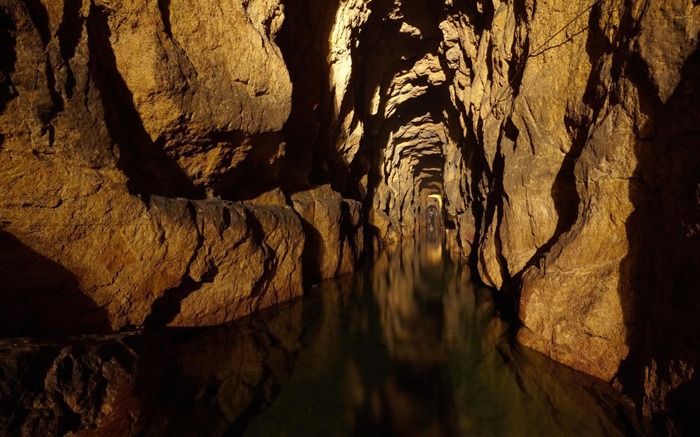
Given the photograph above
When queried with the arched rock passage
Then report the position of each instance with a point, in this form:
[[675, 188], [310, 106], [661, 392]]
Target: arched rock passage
[[245, 145], [382, 124]]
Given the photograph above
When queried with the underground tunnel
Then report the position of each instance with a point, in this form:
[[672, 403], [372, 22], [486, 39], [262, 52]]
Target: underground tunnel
[[349, 217]]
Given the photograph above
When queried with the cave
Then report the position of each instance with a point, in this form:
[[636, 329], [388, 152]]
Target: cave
[[407, 217]]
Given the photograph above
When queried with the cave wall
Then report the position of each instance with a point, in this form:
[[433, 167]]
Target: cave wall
[[372, 112], [141, 160], [586, 190], [186, 163]]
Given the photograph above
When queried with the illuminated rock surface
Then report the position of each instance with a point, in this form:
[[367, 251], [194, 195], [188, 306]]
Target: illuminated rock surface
[[175, 163], [410, 347]]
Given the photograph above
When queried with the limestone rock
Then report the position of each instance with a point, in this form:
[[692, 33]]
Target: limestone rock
[[273, 197], [139, 383], [324, 130], [250, 259], [103, 144], [352, 236], [560, 138], [207, 113], [92, 386], [410, 84], [333, 228], [583, 137]]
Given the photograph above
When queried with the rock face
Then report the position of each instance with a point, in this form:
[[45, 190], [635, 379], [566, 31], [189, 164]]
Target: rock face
[[371, 110], [89, 385], [333, 230], [587, 199], [146, 383], [560, 142], [123, 126]]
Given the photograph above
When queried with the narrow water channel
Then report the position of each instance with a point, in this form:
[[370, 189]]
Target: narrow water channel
[[408, 347], [413, 347]]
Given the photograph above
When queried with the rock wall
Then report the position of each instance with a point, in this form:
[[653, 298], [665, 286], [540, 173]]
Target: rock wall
[[371, 112], [560, 138], [130, 132], [333, 229], [147, 383], [586, 195]]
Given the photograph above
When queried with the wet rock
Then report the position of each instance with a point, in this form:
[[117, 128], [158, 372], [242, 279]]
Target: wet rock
[[250, 260], [560, 138], [90, 387], [204, 382]]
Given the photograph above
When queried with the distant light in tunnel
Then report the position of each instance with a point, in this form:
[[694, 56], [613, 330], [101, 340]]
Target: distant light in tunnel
[[438, 197]]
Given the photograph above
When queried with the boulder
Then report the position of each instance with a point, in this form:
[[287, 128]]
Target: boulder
[[333, 229]]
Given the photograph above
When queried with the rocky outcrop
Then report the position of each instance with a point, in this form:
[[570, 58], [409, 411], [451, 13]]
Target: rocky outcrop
[[333, 229], [146, 383], [174, 261], [570, 108], [249, 259], [123, 126], [91, 386]]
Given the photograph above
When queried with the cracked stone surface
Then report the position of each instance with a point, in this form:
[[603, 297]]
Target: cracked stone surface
[[580, 161]]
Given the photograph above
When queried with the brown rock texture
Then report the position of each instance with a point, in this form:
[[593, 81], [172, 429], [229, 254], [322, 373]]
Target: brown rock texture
[[334, 239], [123, 125], [586, 204], [558, 140], [145, 383], [371, 111], [89, 387]]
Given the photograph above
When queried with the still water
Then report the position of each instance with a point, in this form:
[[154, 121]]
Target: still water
[[413, 347], [408, 347]]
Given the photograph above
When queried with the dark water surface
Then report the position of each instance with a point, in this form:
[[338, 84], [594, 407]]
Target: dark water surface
[[411, 346]]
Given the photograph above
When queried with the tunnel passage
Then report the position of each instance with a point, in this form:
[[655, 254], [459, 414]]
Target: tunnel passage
[[372, 97], [548, 130], [432, 219], [435, 221]]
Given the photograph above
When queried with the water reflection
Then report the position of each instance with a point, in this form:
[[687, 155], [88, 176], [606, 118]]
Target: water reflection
[[414, 348], [409, 347]]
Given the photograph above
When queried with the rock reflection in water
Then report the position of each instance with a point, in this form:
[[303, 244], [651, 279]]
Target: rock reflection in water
[[409, 347], [187, 383], [414, 348]]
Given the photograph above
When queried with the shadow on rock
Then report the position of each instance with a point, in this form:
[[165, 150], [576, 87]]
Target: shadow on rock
[[40, 296], [661, 267]]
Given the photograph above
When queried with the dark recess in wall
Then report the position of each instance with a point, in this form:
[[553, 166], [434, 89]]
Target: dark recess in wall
[[40, 18], [662, 264], [69, 33], [8, 57], [304, 41]]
